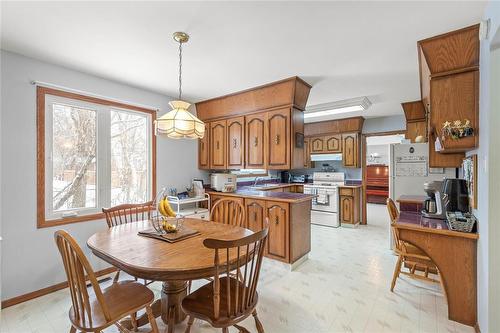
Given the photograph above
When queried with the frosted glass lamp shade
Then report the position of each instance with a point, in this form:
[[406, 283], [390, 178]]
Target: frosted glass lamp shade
[[180, 123]]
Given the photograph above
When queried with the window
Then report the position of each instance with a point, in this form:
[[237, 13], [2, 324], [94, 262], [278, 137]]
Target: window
[[92, 153]]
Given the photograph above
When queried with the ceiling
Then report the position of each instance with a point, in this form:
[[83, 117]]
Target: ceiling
[[344, 49]]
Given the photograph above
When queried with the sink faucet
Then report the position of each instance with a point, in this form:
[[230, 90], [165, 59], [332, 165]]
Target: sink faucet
[[257, 180]]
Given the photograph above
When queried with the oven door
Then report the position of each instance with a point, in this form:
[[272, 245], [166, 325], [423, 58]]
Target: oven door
[[326, 200]]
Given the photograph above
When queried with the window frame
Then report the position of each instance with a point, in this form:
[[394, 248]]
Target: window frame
[[41, 96]]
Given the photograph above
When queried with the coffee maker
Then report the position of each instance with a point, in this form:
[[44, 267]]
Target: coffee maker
[[434, 205]]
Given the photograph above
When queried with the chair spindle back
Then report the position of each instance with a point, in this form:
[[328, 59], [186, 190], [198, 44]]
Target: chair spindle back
[[228, 211], [78, 269], [241, 291], [394, 214], [128, 213]]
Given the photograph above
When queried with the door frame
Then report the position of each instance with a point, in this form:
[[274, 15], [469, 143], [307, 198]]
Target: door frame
[[363, 165]]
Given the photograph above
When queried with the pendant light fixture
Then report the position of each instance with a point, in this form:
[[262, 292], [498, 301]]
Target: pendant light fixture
[[179, 123]]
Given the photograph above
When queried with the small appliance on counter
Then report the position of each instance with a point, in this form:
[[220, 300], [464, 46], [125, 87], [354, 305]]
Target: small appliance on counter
[[434, 205], [223, 182], [457, 195]]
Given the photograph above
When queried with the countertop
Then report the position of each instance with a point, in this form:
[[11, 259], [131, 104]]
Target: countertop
[[416, 221], [248, 192], [415, 199], [350, 186]]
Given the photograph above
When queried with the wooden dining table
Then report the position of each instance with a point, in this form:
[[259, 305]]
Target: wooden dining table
[[175, 264]]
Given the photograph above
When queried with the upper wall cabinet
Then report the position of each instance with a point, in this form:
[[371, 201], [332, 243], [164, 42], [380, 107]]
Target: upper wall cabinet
[[256, 125], [350, 150], [278, 139], [236, 143], [204, 149], [416, 120], [449, 82], [218, 144], [259, 128]]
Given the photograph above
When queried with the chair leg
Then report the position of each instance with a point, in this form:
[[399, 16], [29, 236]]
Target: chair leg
[[258, 324], [241, 329], [133, 321], [189, 286], [397, 269], [152, 319], [225, 330], [117, 276], [189, 324], [72, 329]]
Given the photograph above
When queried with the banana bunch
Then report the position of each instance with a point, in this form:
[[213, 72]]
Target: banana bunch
[[165, 209]]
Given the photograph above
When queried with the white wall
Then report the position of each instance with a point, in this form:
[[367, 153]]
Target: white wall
[[489, 230], [385, 124], [29, 257]]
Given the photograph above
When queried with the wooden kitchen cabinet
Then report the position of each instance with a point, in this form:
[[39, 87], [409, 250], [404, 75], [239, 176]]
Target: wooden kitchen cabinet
[[278, 139], [350, 150], [255, 129], [218, 144], [349, 205], [236, 143], [255, 214], [317, 145], [277, 243], [307, 153], [204, 149], [333, 144]]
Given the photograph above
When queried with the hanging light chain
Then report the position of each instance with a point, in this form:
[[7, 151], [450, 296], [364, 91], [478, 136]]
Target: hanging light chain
[[180, 70]]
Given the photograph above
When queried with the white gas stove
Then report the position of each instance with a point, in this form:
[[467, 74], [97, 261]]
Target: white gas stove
[[325, 204]]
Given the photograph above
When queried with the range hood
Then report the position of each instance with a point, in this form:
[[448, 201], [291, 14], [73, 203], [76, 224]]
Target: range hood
[[326, 157]]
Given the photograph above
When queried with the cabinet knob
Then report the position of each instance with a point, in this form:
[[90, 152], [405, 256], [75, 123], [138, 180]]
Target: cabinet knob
[[276, 219], [217, 144], [235, 143], [255, 141], [255, 216]]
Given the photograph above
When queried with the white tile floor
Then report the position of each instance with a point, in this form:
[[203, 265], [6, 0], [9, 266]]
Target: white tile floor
[[343, 287]]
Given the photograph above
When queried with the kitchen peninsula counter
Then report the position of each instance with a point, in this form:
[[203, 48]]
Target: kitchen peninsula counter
[[288, 215]]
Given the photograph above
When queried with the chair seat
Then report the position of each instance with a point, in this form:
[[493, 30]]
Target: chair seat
[[412, 249], [121, 299], [200, 303]]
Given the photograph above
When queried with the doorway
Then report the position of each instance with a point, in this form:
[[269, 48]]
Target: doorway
[[375, 158]]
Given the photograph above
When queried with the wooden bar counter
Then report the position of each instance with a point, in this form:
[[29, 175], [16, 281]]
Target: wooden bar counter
[[455, 256]]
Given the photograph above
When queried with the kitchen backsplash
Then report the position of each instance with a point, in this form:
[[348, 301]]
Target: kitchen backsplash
[[337, 166]]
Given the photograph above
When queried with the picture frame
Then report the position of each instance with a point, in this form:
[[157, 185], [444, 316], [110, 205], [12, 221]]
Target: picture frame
[[469, 171]]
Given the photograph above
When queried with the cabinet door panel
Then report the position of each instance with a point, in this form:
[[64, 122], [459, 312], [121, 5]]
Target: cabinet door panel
[[235, 139], [333, 143], [347, 210], [256, 211], [317, 145], [218, 144], [350, 150], [278, 219], [279, 139], [307, 154], [204, 150], [255, 127]]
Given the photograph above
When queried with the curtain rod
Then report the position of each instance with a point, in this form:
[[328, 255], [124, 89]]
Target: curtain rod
[[86, 93]]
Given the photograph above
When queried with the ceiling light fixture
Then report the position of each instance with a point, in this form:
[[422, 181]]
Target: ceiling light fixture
[[348, 105], [179, 123]]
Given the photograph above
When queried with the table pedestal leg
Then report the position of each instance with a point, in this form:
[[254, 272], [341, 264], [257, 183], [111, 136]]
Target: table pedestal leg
[[172, 294]]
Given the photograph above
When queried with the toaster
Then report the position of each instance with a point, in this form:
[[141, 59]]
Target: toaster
[[223, 182]]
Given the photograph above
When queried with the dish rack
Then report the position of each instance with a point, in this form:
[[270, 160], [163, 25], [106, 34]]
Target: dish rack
[[179, 205]]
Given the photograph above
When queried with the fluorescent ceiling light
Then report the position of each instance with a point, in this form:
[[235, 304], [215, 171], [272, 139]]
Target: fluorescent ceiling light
[[326, 109]]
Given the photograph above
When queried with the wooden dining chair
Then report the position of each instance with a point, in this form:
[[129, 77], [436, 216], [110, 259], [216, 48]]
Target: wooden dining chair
[[409, 255], [95, 309], [228, 211], [128, 213], [227, 300]]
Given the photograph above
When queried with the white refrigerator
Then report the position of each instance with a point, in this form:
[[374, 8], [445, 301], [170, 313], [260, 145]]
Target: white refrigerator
[[409, 169]]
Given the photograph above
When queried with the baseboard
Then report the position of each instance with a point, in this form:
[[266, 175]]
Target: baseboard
[[476, 328], [44, 291]]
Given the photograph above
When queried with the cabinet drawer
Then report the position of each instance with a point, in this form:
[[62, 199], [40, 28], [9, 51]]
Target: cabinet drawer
[[346, 191]]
